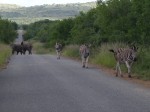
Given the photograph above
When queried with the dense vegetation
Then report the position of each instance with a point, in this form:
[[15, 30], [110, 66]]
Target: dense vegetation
[[7, 35], [7, 31], [112, 21], [25, 15]]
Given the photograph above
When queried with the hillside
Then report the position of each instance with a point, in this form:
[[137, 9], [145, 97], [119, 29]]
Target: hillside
[[25, 15]]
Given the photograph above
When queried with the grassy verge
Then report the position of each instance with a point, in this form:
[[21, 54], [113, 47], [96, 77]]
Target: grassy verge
[[39, 48], [71, 51], [5, 53], [142, 66]]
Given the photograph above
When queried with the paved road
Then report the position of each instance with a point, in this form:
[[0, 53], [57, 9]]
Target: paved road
[[41, 83], [19, 39]]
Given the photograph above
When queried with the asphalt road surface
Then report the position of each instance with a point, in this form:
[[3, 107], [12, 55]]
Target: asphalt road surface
[[41, 83]]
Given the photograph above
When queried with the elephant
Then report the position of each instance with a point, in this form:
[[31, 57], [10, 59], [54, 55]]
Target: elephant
[[17, 48], [26, 46]]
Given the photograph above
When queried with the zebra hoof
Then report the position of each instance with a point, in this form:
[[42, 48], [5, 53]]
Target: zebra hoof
[[83, 66]]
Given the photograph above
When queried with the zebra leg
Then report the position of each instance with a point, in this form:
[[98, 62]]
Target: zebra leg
[[129, 69], [57, 54], [83, 61], [117, 65], [120, 70], [86, 62]]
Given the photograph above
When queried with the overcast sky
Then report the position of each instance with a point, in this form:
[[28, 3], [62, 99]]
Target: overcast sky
[[41, 2]]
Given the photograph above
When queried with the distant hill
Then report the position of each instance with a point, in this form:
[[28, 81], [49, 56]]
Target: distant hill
[[25, 15], [8, 6]]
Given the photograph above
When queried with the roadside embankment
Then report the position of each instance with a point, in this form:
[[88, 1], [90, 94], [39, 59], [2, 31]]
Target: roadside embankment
[[5, 53]]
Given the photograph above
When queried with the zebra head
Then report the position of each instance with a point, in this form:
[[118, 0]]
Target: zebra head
[[133, 53]]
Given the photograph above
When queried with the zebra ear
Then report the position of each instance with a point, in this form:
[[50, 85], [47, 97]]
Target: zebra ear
[[134, 48], [137, 48]]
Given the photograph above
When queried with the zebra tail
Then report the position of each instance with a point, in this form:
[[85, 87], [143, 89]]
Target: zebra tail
[[111, 50]]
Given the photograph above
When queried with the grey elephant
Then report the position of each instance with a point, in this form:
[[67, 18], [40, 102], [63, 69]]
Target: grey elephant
[[17, 48], [26, 46]]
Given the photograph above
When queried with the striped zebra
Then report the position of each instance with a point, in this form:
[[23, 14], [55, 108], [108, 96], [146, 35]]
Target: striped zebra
[[58, 48], [84, 52], [124, 56]]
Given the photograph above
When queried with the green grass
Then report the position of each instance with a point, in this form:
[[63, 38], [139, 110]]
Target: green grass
[[142, 67], [39, 48], [103, 57], [71, 51], [5, 52]]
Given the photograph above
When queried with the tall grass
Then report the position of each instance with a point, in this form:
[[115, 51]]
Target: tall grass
[[103, 57], [142, 66], [5, 52], [71, 51], [39, 48]]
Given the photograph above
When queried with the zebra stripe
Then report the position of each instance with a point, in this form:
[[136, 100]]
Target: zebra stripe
[[58, 48], [84, 52], [124, 56]]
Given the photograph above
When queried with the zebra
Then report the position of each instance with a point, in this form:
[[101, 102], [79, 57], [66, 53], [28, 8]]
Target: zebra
[[124, 56], [84, 52], [58, 48]]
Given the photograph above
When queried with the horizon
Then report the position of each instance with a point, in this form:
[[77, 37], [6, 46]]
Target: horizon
[[29, 3]]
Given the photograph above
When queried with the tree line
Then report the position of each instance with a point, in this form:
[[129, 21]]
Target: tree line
[[7, 31], [124, 21]]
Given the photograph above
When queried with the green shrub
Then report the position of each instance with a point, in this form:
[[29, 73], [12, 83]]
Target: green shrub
[[71, 51], [39, 48]]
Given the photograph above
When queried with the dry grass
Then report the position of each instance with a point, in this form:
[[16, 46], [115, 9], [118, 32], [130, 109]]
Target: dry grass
[[5, 53]]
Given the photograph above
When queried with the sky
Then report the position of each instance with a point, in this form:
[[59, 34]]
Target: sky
[[28, 3]]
